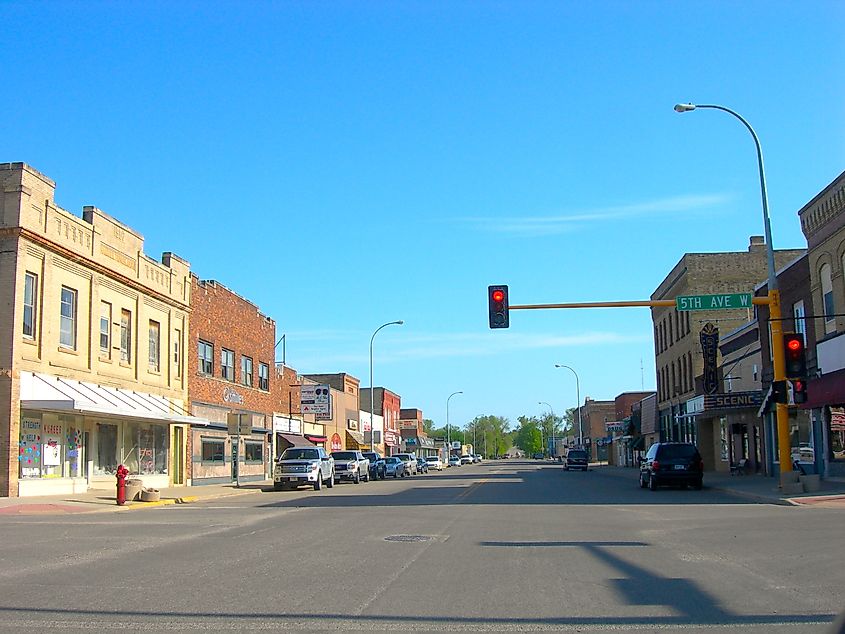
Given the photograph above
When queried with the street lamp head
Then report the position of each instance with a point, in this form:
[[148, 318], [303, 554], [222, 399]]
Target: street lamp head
[[684, 107], [399, 322]]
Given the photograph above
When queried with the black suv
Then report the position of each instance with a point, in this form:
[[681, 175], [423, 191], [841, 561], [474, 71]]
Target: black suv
[[672, 463], [576, 459]]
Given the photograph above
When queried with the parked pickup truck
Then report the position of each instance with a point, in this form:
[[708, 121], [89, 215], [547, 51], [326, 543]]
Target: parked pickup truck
[[303, 465], [351, 465]]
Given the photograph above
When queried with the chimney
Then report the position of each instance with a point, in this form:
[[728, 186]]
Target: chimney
[[756, 243]]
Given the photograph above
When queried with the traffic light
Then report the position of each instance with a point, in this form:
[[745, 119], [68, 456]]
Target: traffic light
[[799, 391], [779, 394], [796, 356], [497, 300]]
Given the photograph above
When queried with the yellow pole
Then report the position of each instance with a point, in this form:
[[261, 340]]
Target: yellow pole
[[779, 364]]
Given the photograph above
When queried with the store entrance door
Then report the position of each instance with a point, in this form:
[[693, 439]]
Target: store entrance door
[[177, 459]]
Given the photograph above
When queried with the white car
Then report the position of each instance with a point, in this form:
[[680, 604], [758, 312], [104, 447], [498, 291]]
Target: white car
[[454, 461], [434, 462], [466, 459]]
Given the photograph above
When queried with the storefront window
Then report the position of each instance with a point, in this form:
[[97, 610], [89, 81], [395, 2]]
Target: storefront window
[[801, 437], [50, 446], [213, 450], [145, 447], [254, 451], [106, 460], [837, 433]]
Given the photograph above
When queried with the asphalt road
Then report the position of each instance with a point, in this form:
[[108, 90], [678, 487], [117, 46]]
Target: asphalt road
[[500, 546]]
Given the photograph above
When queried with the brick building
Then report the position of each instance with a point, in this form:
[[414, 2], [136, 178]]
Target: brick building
[[230, 365], [92, 335], [387, 405], [414, 438], [594, 418], [679, 360]]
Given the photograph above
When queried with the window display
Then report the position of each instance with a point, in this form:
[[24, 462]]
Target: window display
[[49, 446]]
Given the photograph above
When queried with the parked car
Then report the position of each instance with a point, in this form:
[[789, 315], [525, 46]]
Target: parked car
[[538, 456], [672, 463], [377, 468], [576, 459], [434, 462], [394, 467], [466, 459], [478, 457], [303, 465], [351, 465], [455, 461], [422, 465], [410, 461]]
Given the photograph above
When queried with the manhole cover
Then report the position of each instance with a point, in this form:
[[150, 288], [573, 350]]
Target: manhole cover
[[407, 538]]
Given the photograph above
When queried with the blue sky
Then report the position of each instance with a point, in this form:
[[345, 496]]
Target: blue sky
[[346, 164]]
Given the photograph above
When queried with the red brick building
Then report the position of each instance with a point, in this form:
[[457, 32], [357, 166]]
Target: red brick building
[[230, 370]]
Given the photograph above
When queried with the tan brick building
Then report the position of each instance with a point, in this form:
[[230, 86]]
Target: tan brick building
[[594, 417], [678, 354], [343, 429], [92, 336], [230, 370]]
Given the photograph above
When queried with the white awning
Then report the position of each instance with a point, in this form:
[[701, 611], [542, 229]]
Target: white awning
[[58, 394]]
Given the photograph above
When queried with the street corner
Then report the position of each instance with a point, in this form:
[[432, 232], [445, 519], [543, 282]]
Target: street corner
[[824, 501]]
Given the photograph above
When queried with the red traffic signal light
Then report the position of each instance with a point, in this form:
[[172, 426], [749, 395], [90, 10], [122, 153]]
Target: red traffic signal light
[[497, 305], [799, 391], [795, 356]]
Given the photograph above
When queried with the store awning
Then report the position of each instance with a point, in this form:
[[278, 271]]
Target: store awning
[[828, 389], [296, 441], [638, 443], [57, 394], [357, 437], [315, 438]]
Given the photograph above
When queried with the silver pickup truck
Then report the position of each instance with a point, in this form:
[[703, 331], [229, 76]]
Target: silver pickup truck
[[303, 465], [351, 465]]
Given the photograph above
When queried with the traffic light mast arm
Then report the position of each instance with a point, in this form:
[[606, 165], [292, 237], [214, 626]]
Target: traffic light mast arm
[[623, 304]]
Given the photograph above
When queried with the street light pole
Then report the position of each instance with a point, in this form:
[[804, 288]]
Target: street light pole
[[578, 398], [775, 323], [372, 389], [551, 409], [448, 428]]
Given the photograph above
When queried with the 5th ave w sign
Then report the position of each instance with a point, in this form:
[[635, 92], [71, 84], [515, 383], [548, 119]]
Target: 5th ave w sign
[[713, 302]]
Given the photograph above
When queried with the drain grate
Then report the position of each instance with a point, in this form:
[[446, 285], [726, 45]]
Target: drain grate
[[408, 538]]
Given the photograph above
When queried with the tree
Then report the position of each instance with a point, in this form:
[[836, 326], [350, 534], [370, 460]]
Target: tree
[[428, 426], [529, 438], [490, 434]]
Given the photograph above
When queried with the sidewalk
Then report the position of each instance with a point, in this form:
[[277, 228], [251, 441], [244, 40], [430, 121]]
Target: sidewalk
[[104, 501], [753, 487]]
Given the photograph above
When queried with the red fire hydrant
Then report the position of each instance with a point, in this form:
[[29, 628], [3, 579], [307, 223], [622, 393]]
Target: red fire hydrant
[[122, 472]]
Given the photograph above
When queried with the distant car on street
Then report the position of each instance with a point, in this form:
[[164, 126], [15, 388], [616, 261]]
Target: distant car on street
[[434, 462], [410, 461], [466, 459], [422, 465], [351, 465], [394, 467], [377, 468], [576, 459], [455, 461]]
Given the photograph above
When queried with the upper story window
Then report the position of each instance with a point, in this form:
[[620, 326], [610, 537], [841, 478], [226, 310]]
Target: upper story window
[[246, 371], [205, 352], [155, 346], [177, 352], [67, 326], [30, 304], [105, 330], [264, 377], [827, 299], [125, 336], [227, 364], [800, 321]]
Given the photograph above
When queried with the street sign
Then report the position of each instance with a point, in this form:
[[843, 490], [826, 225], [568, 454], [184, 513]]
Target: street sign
[[315, 400], [713, 302]]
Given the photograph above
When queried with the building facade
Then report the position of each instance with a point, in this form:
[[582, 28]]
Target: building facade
[[594, 416], [230, 371], [414, 438], [823, 224], [684, 340], [343, 427], [387, 405], [93, 372]]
